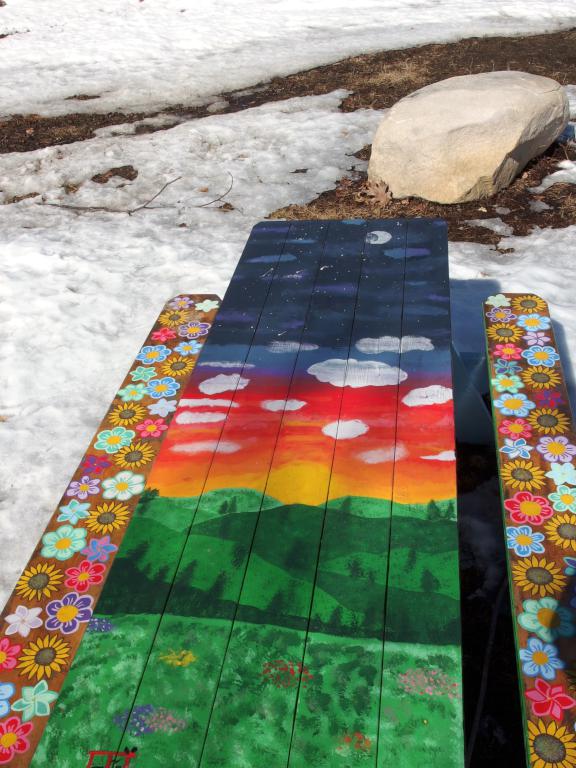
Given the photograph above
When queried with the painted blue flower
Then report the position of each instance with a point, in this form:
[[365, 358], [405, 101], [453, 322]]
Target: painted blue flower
[[538, 355], [143, 374], [540, 658], [524, 541], [570, 569], [73, 512], [165, 387], [99, 550], [534, 322], [6, 692], [562, 474], [162, 407], [516, 449], [514, 405], [186, 348], [507, 367], [154, 354]]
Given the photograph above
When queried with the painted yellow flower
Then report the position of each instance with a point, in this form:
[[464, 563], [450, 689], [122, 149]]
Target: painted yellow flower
[[42, 657], [181, 658], [549, 421], [551, 745], [107, 517], [504, 332], [178, 366], [538, 576], [523, 475], [528, 304], [539, 377], [39, 581], [561, 530], [127, 413], [134, 455], [174, 317]]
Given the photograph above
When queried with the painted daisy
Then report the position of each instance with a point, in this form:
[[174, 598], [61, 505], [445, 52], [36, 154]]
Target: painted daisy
[[123, 486], [514, 405], [543, 356], [112, 440], [151, 355], [556, 449], [524, 541], [547, 619], [539, 658], [534, 322], [64, 542], [563, 499]]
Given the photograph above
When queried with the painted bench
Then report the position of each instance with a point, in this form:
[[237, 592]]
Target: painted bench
[[287, 591], [536, 444]]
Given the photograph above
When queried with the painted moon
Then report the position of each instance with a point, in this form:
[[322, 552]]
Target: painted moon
[[378, 237]]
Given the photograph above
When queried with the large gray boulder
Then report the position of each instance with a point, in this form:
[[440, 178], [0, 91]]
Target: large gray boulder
[[466, 137]]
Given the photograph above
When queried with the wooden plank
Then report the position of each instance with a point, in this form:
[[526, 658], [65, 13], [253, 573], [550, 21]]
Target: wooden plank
[[421, 706], [336, 721], [72, 561], [536, 443], [138, 582]]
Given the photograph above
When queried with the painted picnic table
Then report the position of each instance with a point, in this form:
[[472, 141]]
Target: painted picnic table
[[287, 591]]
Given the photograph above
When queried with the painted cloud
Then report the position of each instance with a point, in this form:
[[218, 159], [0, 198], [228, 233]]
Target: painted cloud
[[185, 417], [392, 344], [382, 455], [224, 446], [442, 456], [223, 383], [357, 373], [435, 394], [290, 346], [283, 405], [345, 430]]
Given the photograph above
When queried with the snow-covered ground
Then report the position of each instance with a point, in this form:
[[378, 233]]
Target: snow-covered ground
[[80, 290]]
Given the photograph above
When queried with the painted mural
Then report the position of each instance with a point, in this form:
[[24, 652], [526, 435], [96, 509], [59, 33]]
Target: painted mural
[[536, 452], [287, 592]]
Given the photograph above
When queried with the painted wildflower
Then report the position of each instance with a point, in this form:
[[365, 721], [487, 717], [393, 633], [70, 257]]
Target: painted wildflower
[[207, 305], [193, 330], [556, 449], [162, 407], [13, 739], [548, 399], [518, 428], [549, 699], [73, 512], [99, 550], [86, 574], [150, 355], [500, 315], [123, 486], [152, 428], [181, 302], [538, 355], [526, 508], [562, 474], [563, 499], [165, 387], [132, 393], [506, 367], [95, 464], [23, 620], [35, 701], [547, 619], [539, 658], [63, 542], [67, 614], [8, 653], [534, 322], [535, 337], [504, 383], [499, 300], [507, 351], [7, 690], [143, 374], [514, 405], [84, 487], [186, 348], [524, 541], [163, 334], [516, 449], [111, 440]]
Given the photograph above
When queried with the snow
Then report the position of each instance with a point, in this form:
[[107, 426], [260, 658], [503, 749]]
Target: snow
[[146, 55], [81, 289]]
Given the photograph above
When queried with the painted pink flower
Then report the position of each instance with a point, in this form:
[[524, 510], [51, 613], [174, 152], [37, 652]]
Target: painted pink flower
[[164, 334], [549, 699], [8, 654], [556, 449], [84, 487], [13, 739], [151, 427], [526, 508], [507, 351], [535, 337], [86, 574], [516, 428]]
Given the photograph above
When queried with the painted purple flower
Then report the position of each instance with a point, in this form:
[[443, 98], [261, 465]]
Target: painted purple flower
[[84, 487], [193, 330], [548, 399], [500, 314], [66, 614], [99, 550], [95, 463], [556, 449], [535, 337], [181, 302]]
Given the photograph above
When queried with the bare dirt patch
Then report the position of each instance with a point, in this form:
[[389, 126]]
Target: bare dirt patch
[[123, 172]]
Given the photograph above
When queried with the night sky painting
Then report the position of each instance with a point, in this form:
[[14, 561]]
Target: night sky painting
[[287, 593]]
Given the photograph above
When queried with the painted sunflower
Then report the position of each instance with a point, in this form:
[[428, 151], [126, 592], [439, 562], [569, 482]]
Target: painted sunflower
[[107, 517], [127, 413], [561, 530], [549, 421], [174, 317], [523, 475], [39, 581], [42, 657], [134, 455], [528, 304], [551, 745], [539, 377], [538, 576], [504, 332], [178, 366]]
